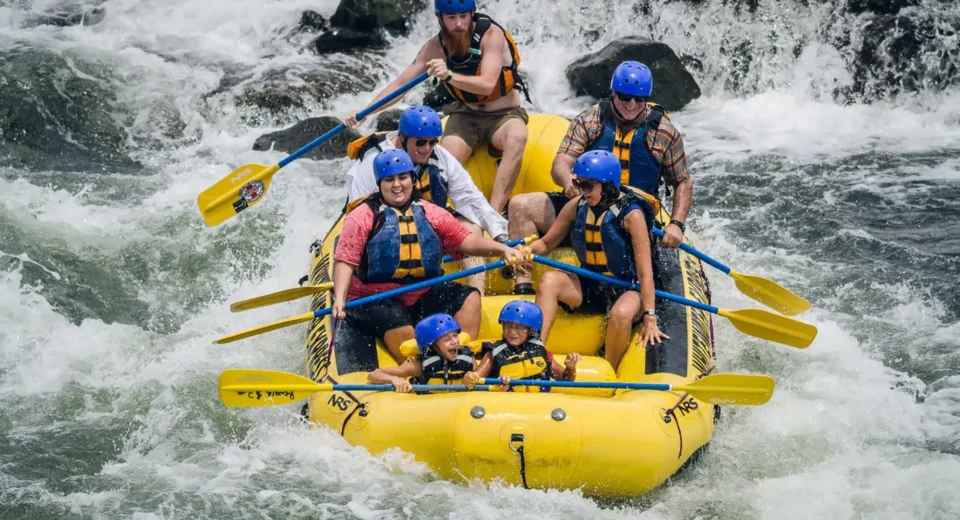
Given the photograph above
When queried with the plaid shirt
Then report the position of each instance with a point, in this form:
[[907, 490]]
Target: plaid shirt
[[665, 143]]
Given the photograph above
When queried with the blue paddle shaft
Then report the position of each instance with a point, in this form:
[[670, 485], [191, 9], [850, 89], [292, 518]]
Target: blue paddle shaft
[[582, 384], [508, 243], [413, 287], [360, 115], [688, 248], [579, 271], [416, 388]]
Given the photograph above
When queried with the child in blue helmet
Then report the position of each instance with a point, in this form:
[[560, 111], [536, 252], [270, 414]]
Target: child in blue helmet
[[521, 354], [442, 361]]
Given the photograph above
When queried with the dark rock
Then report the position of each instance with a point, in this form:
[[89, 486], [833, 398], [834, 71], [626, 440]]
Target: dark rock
[[345, 40], [371, 15], [904, 54], [437, 97], [312, 21], [292, 139], [879, 6], [673, 85], [388, 120]]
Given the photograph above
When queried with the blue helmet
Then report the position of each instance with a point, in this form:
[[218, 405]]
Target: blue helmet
[[632, 77], [453, 6], [599, 165], [391, 162], [522, 312], [420, 121], [432, 327]]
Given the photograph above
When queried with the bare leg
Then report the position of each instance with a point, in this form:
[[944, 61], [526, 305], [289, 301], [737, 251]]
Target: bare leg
[[476, 280], [620, 326], [529, 213], [457, 147], [469, 315], [511, 139], [394, 337], [556, 286]]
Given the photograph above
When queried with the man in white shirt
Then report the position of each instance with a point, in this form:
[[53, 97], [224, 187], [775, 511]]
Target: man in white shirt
[[440, 178]]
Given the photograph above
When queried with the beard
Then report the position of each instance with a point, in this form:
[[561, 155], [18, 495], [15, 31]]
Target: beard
[[457, 43]]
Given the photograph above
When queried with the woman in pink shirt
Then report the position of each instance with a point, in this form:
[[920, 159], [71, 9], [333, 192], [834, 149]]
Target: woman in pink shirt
[[394, 239]]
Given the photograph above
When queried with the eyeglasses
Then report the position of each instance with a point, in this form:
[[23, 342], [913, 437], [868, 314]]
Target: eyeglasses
[[425, 142], [584, 184], [627, 97]]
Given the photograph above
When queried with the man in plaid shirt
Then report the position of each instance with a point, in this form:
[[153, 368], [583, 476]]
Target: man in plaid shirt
[[613, 125]]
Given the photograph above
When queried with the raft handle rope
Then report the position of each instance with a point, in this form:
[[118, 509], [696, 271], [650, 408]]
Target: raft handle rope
[[517, 438]]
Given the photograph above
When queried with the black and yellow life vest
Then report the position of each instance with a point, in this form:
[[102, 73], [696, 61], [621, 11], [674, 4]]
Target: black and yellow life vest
[[429, 183], [528, 361], [439, 371], [600, 239], [638, 166], [469, 64], [402, 246]]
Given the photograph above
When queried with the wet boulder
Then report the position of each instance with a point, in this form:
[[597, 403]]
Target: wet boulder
[[373, 15], [388, 120], [297, 136], [673, 85]]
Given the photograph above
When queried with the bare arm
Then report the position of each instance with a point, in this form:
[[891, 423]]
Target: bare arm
[[477, 245], [559, 229], [492, 47], [562, 173], [342, 274], [682, 196], [636, 225], [397, 376], [413, 70]]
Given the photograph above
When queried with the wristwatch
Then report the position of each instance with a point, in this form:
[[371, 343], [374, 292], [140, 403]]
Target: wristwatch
[[650, 312], [681, 225]]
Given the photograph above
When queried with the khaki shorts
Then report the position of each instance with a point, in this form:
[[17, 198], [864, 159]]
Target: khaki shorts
[[477, 128]]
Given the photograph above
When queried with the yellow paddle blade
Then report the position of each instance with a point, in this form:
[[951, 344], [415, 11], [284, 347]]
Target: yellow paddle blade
[[236, 192], [237, 336], [770, 293], [772, 327], [285, 295], [724, 389], [253, 388]]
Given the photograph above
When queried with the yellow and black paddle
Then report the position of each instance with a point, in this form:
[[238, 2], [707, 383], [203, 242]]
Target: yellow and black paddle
[[296, 293], [758, 288], [360, 301], [252, 388], [248, 184], [755, 322]]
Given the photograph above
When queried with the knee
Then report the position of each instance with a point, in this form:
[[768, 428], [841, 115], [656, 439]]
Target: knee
[[521, 207], [472, 304], [518, 137], [550, 283], [622, 315]]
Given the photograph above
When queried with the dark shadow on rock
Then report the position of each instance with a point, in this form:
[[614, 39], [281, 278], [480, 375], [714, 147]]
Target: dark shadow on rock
[[388, 120], [673, 85], [297, 136], [372, 15], [347, 40]]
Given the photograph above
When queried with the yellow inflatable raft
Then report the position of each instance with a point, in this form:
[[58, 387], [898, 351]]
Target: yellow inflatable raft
[[609, 444]]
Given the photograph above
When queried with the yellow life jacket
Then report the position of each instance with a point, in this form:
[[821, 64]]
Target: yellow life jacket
[[528, 361], [439, 371], [360, 146]]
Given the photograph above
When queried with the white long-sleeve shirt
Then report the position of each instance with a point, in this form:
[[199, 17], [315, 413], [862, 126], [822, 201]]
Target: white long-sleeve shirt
[[464, 194]]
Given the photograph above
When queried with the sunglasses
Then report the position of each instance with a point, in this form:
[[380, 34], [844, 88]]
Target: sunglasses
[[583, 184], [425, 142], [627, 97]]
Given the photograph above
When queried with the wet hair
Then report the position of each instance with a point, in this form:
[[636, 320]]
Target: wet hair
[[608, 193]]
